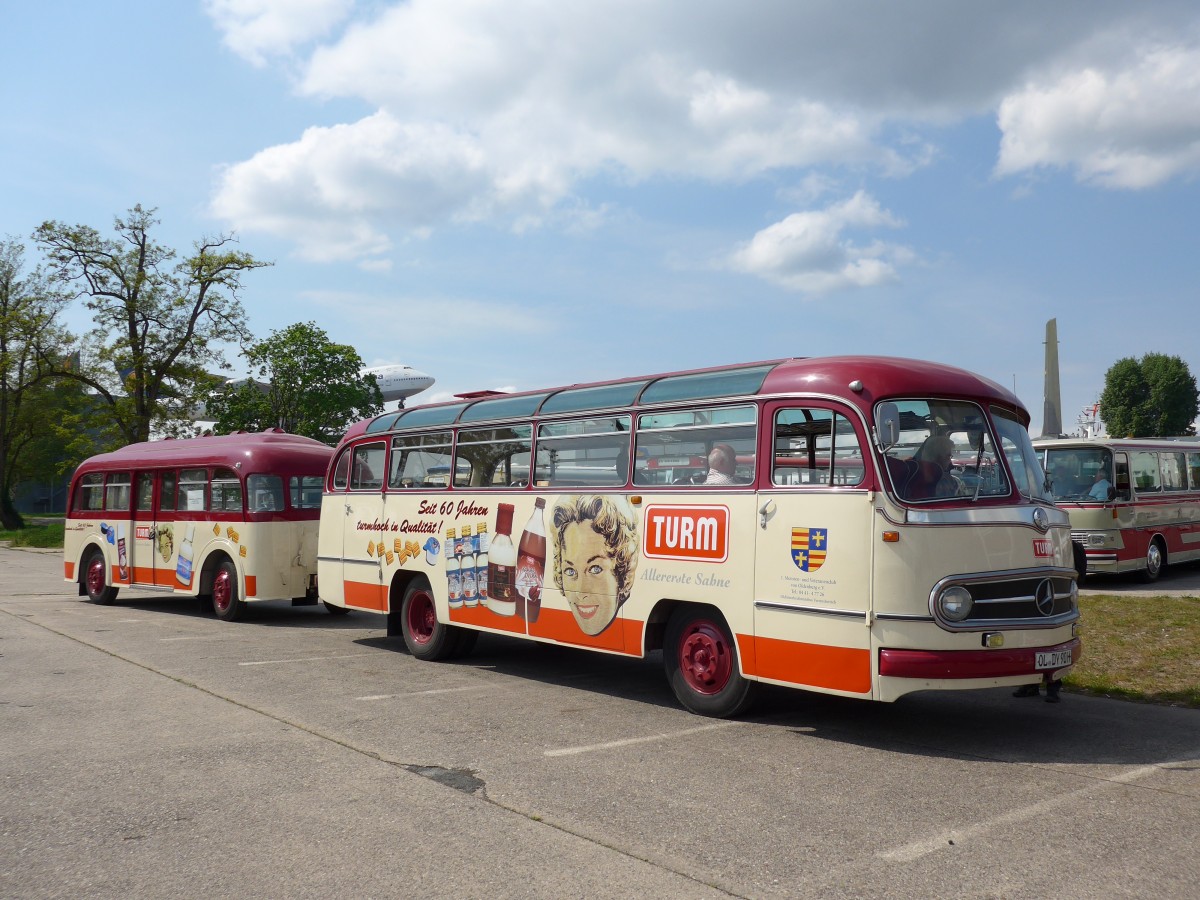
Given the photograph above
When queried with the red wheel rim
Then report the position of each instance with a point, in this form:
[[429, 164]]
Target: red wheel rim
[[95, 575], [705, 657], [421, 617], [222, 591]]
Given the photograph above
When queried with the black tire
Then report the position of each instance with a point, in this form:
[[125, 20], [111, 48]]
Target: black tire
[[226, 603], [334, 609], [95, 579], [1156, 561], [1079, 559], [426, 637], [701, 663], [465, 639]]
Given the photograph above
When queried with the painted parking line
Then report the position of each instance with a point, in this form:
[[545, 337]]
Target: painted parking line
[[958, 836], [472, 687], [274, 662], [626, 742], [197, 637]]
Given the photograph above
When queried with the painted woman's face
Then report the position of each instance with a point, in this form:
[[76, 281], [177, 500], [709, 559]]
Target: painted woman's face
[[588, 580]]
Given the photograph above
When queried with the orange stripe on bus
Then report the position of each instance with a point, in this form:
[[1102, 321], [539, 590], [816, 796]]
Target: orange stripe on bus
[[251, 585], [69, 571], [559, 625], [366, 596], [483, 617], [836, 668]]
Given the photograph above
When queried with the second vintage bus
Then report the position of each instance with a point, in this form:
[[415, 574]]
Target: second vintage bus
[[1134, 503], [229, 518]]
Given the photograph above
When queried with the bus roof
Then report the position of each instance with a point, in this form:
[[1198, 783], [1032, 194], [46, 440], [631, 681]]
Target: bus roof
[[1186, 442], [877, 377], [274, 451]]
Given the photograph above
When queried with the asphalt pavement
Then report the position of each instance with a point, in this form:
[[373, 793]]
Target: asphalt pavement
[[150, 750]]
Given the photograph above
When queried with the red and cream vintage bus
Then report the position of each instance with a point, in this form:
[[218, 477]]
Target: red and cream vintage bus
[[1134, 503], [233, 518], [859, 526]]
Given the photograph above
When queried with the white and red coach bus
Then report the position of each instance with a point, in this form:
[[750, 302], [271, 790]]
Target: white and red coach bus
[[233, 518], [859, 526], [1134, 503]]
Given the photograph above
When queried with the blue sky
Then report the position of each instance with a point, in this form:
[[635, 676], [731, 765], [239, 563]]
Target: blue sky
[[527, 194]]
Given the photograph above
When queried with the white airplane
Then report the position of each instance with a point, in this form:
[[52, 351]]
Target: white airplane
[[397, 382]]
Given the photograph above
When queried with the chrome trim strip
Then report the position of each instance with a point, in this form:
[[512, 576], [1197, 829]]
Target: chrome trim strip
[[815, 610], [353, 562], [993, 515], [903, 617]]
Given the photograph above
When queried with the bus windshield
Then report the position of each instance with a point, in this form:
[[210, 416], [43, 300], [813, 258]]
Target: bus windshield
[[1022, 458], [946, 450], [1073, 472]]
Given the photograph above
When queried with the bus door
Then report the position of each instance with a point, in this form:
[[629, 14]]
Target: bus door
[[813, 557], [143, 547], [365, 531]]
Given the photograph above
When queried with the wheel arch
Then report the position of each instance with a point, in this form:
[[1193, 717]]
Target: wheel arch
[[401, 579], [85, 551], [213, 557]]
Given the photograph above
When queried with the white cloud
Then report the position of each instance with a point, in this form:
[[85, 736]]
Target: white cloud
[[258, 29], [521, 112], [811, 252], [1122, 126]]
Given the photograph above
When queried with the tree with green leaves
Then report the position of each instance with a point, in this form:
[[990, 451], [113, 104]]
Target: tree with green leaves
[[301, 382], [159, 320], [1155, 396], [30, 338]]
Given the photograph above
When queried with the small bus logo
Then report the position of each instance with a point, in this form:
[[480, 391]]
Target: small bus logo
[[809, 548], [1043, 548], [693, 533]]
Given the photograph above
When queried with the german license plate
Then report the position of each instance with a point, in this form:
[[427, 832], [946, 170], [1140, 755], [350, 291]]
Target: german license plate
[[1053, 659]]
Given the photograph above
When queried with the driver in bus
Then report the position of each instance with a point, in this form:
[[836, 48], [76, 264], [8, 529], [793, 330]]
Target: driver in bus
[[595, 557], [932, 477], [1101, 487]]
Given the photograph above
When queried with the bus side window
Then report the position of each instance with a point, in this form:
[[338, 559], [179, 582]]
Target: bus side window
[[265, 493], [369, 463], [583, 453], [816, 447], [1174, 471], [341, 472], [1193, 460], [193, 485], [1144, 467], [166, 492], [1122, 464], [90, 493], [117, 491], [420, 461], [226, 491], [674, 448], [145, 491], [495, 457]]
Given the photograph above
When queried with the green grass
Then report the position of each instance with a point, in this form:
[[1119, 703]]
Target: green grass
[[46, 536], [1145, 649]]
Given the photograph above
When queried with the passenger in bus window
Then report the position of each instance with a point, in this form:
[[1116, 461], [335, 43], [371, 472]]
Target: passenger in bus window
[[595, 557], [932, 476], [722, 463], [1101, 487]]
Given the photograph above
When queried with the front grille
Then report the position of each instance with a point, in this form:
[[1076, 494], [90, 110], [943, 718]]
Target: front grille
[[1012, 601]]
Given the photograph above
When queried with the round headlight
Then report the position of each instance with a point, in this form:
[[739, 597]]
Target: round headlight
[[955, 603]]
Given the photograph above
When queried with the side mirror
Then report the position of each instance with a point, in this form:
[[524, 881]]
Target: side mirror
[[887, 425], [1112, 493]]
